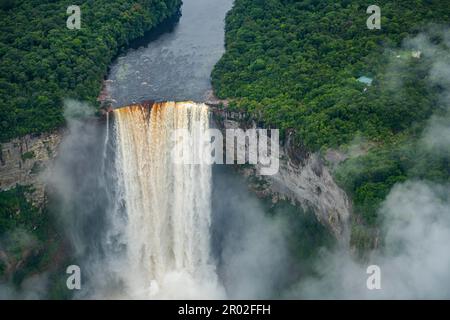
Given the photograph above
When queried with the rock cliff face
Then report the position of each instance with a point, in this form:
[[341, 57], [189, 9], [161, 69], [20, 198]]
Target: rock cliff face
[[302, 178], [23, 159]]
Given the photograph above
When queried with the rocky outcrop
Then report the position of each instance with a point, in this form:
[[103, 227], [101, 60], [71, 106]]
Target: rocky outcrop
[[23, 159], [302, 177]]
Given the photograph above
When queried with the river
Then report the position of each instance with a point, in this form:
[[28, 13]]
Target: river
[[145, 228], [174, 65]]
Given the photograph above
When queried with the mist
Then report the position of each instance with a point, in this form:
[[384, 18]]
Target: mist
[[32, 288], [414, 258], [250, 246], [81, 194], [250, 249], [414, 261]]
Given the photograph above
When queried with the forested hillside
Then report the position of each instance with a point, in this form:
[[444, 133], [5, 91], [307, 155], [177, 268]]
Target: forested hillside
[[43, 62], [295, 65]]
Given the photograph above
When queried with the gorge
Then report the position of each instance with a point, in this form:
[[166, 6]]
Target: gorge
[[106, 135], [144, 226], [140, 226]]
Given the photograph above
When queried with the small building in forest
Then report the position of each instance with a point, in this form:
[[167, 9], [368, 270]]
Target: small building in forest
[[366, 80]]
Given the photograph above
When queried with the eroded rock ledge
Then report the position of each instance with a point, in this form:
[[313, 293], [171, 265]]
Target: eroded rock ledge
[[23, 159], [303, 177]]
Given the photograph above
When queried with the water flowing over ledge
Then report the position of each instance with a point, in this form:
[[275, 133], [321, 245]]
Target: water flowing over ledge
[[168, 206]]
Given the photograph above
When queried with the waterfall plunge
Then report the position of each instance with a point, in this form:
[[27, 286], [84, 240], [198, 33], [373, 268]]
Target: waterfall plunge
[[168, 205]]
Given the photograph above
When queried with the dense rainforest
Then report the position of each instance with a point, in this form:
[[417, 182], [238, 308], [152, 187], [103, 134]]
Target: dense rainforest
[[42, 62], [295, 65], [292, 64]]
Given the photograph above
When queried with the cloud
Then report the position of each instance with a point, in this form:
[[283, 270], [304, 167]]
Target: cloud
[[414, 262], [414, 257], [250, 246], [74, 110], [79, 193], [436, 137]]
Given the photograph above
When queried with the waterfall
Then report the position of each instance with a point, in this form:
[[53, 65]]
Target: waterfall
[[105, 146], [168, 205]]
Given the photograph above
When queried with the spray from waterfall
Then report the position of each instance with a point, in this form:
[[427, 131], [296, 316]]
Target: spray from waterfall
[[141, 224], [168, 205], [105, 146]]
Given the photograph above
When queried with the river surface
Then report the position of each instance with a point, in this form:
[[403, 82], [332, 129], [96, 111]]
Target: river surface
[[247, 250], [142, 227], [176, 64]]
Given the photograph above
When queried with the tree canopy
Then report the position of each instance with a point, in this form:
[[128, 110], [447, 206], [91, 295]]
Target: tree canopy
[[42, 62], [295, 65]]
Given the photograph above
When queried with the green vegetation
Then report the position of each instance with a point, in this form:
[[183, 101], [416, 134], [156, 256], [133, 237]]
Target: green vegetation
[[369, 178], [16, 211], [42, 62], [295, 64], [27, 155], [31, 245], [307, 236], [28, 238]]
